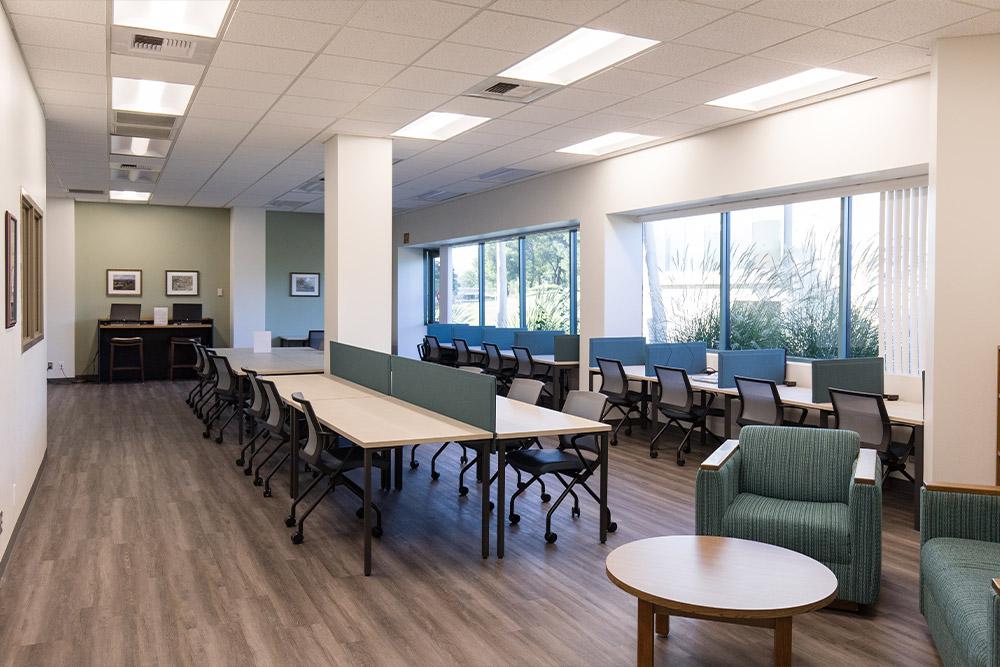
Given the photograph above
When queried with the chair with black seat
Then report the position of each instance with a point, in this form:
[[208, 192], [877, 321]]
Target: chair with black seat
[[206, 387], [614, 385], [432, 350], [676, 403], [256, 412], [120, 345], [200, 371], [526, 368], [278, 428], [760, 405], [331, 456], [172, 357], [316, 339], [463, 355], [865, 414], [495, 366], [422, 352], [576, 458], [225, 395]]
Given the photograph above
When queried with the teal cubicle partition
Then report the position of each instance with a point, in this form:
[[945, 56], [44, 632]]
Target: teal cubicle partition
[[468, 397], [360, 366], [859, 374], [692, 357], [537, 342], [566, 348], [443, 332], [630, 350], [759, 364], [502, 337]]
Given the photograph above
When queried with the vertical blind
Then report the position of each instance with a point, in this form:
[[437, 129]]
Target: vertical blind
[[903, 279]]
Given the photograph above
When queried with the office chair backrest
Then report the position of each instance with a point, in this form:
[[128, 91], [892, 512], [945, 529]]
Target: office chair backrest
[[462, 355], [675, 388], [275, 419], [863, 413], [225, 381], [314, 441], [199, 358], [587, 405], [494, 361], [614, 382], [759, 401], [433, 349], [316, 339], [258, 402], [524, 390], [422, 351], [524, 363]]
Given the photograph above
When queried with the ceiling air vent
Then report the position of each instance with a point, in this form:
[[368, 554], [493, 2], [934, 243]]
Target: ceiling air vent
[[438, 195], [84, 191], [313, 186], [163, 46], [152, 126], [147, 43], [510, 90], [506, 175]]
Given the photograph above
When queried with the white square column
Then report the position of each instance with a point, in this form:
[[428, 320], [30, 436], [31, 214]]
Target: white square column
[[247, 273], [358, 241]]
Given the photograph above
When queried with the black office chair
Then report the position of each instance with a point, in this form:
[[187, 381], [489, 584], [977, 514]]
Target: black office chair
[[224, 394], [760, 405], [526, 368], [463, 355], [432, 350], [316, 339], [576, 458], [614, 385], [865, 414], [422, 352], [256, 412], [202, 372], [495, 366], [676, 403], [332, 456]]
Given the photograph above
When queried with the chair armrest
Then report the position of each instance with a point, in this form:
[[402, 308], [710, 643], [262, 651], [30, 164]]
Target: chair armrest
[[866, 470], [722, 454], [963, 511], [948, 487], [716, 486], [996, 586]]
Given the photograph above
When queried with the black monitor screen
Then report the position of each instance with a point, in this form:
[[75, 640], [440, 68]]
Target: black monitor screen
[[125, 312], [187, 312]]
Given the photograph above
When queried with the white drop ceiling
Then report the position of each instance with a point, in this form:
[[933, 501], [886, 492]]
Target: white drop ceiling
[[289, 74]]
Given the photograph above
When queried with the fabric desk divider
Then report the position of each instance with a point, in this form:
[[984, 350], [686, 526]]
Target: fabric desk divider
[[859, 374], [537, 342], [630, 350], [692, 357], [502, 337], [360, 366], [467, 397], [443, 332], [566, 348], [759, 364]]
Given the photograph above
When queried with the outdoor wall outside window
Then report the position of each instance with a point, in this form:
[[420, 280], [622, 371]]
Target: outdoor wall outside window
[[465, 284], [547, 272], [864, 274], [502, 277]]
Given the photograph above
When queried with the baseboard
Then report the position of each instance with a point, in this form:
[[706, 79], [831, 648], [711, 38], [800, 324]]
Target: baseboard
[[17, 525]]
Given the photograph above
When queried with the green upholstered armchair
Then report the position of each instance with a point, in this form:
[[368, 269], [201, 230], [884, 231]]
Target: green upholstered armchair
[[814, 491], [960, 571]]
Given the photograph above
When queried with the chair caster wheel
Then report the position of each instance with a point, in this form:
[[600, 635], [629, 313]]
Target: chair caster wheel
[[463, 490], [551, 538], [414, 465], [574, 512], [360, 513], [546, 497], [297, 538], [681, 462], [290, 521], [206, 435], [267, 493], [257, 481], [614, 443], [612, 527], [240, 461], [435, 475], [248, 471], [654, 454], [218, 440], [376, 532], [514, 518]]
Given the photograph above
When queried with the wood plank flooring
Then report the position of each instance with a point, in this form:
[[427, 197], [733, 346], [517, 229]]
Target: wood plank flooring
[[146, 545]]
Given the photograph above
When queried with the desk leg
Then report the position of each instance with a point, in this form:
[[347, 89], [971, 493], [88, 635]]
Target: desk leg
[[824, 419], [644, 636], [501, 490], [644, 389], [918, 471], [397, 462], [239, 406], [590, 380], [728, 417], [557, 387], [367, 514], [604, 488], [293, 455], [783, 642], [484, 475]]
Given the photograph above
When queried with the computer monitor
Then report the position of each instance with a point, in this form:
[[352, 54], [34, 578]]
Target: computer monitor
[[125, 312], [187, 312]]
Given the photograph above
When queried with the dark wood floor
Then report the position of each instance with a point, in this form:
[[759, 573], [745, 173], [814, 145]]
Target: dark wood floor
[[144, 544]]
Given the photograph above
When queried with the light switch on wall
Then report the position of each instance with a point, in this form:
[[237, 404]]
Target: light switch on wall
[[219, 292]]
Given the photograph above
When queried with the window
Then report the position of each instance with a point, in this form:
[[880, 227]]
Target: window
[[501, 280], [32, 306], [864, 275], [432, 286], [465, 284], [547, 274]]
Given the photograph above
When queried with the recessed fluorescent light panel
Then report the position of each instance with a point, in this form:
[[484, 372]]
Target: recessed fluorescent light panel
[[146, 96], [578, 54], [129, 195], [188, 17], [139, 146], [608, 143], [789, 89], [439, 125]]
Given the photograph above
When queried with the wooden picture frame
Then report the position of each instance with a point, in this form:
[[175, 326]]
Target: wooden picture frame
[[182, 283], [303, 284], [10, 269], [124, 282]]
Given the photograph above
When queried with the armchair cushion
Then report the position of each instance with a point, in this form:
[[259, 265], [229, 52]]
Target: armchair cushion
[[814, 465], [818, 530]]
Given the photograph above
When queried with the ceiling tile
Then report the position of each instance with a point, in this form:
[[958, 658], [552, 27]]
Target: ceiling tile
[[568, 136], [603, 122], [734, 4], [625, 82], [647, 107], [47, 57], [576, 12], [887, 61], [222, 77], [749, 71], [821, 47], [475, 106], [677, 60], [237, 98], [743, 33], [156, 69], [902, 19], [211, 130], [401, 49], [705, 115], [407, 99], [311, 10], [984, 24], [551, 161], [259, 58], [485, 138], [580, 100], [434, 81], [331, 90], [420, 18], [67, 34], [363, 128], [377, 114], [352, 70], [509, 32], [694, 91], [87, 11], [512, 127], [297, 120], [658, 19], [533, 113], [68, 97], [663, 128], [313, 106], [818, 13], [203, 109], [470, 59], [278, 136], [403, 148], [279, 31], [72, 81]]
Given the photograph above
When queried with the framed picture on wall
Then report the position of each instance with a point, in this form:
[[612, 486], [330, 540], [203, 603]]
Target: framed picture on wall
[[303, 284], [124, 282], [182, 283], [10, 269]]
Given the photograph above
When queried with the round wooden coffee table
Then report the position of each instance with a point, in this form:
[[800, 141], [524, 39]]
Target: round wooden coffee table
[[719, 579]]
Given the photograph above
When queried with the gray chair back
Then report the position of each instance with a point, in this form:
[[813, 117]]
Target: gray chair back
[[316, 339], [462, 355], [863, 413], [525, 390], [614, 382], [586, 405], [258, 402], [313, 446], [225, 380], [494, 362], [275, 419], [432, 349], [759, 401], [524, 364], [675, 388]]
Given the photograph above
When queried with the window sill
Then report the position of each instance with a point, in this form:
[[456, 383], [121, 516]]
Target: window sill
[[28, 344]]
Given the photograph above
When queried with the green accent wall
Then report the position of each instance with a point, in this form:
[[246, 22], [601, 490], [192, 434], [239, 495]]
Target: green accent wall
[[294, 245], [154, 239]]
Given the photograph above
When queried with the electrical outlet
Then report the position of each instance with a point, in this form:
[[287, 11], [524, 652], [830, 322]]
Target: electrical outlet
[[50, 365], [219, 291]]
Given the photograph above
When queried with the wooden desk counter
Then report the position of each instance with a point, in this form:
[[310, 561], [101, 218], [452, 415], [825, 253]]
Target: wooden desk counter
[[155, 345]]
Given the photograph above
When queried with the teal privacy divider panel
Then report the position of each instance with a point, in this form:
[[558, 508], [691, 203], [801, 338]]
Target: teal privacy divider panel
[[860, 374], [473, 336], [537, 342], [502, 337], [760, 364], [566, 348], [630, 350], [468, 397], [443, 332], [692, 357], [360, 366]]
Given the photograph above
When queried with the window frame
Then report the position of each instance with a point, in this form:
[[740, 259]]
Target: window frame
[[430, 295], [32, 273]]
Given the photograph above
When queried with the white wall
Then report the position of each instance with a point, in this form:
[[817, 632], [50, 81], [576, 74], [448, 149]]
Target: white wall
[[60, 286], [247, 274], [22, 392], [409, 300]]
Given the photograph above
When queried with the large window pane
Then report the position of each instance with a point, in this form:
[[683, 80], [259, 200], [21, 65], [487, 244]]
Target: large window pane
[[864, 274], [785, 278], [681, 288], [502, 296], [546, 258], [465, 284]]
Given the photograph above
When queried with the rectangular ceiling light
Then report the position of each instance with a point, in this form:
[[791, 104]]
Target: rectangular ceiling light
[[188, 17], [129, 195], [789, 89], [439, 125], [578, 54], [146, 96], [608, 143], [139, 146]]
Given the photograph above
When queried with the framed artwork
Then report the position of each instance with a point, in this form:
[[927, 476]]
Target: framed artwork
[[10, 271], [303, 284], [124, 282], [182, 283]]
